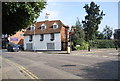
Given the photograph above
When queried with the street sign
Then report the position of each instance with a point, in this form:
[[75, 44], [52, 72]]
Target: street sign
[[13, 39]]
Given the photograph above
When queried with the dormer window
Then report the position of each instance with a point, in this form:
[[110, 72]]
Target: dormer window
[[43, 27], [32, 27], [55, 25]]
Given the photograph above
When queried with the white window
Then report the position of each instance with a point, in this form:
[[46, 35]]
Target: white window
[[29, 46], [55, 25], [43, 27], [32, 27], [50, 46]]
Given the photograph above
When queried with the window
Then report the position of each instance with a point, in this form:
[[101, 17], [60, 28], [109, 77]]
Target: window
[[29, 46], [52, 36], [30, 38], [32, 27], [55, 26], [50, 46], [20, 35], [41, 37], [43, 27]]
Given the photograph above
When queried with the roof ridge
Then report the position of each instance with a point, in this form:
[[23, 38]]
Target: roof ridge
[[48, 20]]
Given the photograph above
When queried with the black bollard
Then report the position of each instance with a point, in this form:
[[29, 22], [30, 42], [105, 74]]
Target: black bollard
[[116, 47], [88, 48]]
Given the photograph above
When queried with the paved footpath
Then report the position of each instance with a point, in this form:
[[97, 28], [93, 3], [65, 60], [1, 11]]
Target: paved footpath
[[110, 52]]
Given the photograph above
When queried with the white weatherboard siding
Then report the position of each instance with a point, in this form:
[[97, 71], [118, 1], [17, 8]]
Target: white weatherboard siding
[[42, 45], [26, 41]]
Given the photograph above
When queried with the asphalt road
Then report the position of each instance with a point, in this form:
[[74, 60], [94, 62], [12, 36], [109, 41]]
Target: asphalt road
[[98, 64]]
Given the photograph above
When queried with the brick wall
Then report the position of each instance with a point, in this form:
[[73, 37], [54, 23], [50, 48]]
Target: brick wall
[[64, 38], [18, 35]]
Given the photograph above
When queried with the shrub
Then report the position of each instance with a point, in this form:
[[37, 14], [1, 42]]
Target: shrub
[[83, 46], [103, 44]]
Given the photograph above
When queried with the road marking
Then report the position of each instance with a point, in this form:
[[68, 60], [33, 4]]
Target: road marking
[[21, 68]]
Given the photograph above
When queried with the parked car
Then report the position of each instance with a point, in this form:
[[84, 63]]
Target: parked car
[[21, 47], [12, 47]]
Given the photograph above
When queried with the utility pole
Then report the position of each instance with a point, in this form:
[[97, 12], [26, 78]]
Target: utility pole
[[34, 39]]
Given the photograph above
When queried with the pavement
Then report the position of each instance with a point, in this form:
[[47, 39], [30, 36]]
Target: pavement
[[11, 71], [93, 52], [0, 69]]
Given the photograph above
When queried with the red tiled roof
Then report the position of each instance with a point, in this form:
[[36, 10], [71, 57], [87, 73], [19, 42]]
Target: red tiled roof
[[49, 27]]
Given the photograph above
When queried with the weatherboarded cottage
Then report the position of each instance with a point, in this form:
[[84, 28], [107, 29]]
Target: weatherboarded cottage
[[46, 35]]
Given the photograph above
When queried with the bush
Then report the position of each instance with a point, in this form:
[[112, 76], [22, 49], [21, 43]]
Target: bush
[[103, 44], [98, 44], [83, 46]]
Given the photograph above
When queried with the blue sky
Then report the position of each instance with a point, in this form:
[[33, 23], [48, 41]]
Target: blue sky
[[68, 12]]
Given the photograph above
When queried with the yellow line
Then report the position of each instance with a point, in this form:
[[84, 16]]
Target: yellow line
[[25, 72], [29, 72], [31, 75]]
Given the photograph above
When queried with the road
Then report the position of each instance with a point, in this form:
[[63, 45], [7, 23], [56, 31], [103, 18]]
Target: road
[[99, 64]]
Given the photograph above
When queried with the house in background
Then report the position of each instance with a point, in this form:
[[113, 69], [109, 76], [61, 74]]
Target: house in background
[[46, 35], [17, 38]]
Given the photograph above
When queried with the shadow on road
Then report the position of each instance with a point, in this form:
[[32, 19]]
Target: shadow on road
[[105, 70]]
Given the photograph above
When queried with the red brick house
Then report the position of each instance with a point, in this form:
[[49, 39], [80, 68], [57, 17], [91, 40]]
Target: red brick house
[[17, 38]]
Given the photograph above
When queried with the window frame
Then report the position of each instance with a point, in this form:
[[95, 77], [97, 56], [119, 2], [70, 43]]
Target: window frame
[[30, 38], [41, 37], [55, 25], [52, 35], [43, 26], [32, 28]]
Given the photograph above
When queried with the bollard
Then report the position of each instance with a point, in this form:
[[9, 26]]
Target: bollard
[[88, 48], [68, 50]]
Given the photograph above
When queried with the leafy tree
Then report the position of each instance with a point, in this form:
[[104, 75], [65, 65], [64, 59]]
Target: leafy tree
[[92, 20], [107, 31], [19, 15], [99, 35], [78, 34]]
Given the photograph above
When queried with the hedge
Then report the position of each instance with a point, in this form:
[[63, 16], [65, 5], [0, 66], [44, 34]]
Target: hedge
[[99, 44], [103, 44]]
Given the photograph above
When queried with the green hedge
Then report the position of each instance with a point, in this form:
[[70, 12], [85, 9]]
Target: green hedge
[[99, 44], [103, 44]]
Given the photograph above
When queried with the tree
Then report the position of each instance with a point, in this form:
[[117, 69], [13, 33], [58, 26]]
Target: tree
[[107, 31], [92, 20], [78, 34], [99, 35], [19, 15]]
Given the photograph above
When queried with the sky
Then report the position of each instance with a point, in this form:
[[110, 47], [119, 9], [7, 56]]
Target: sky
[[68, 12]]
